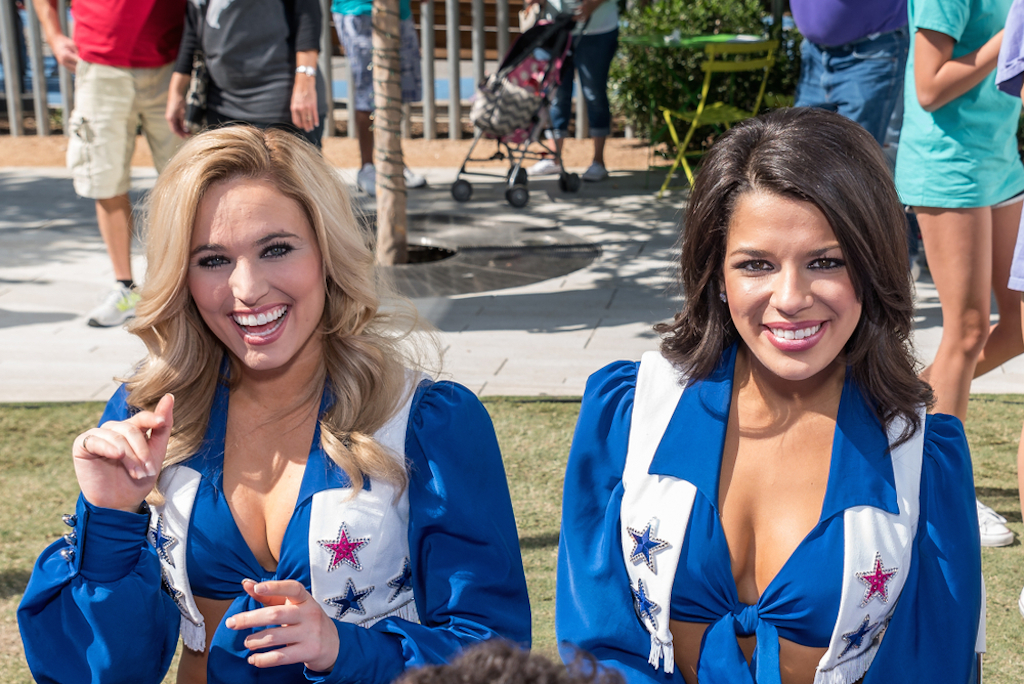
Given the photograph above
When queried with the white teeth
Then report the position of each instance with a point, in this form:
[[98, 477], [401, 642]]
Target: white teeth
[[250, 320], [795, 334]]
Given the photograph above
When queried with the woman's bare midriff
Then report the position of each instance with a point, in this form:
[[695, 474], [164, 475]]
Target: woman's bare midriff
[[192, 667], [796, 663]]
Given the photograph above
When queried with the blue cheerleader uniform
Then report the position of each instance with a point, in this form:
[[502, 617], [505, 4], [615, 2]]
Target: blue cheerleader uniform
[[409, 577], [929, 632]]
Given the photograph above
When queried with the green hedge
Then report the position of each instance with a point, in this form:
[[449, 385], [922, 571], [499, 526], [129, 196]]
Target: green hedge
[[672, 78]]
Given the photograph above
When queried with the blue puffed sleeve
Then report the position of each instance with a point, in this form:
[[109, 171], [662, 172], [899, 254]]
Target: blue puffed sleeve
[[467, 570], [594, 606], [95, 591], [932, 634]]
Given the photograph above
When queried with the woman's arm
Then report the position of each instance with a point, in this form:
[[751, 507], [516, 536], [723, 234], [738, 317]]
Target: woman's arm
[[938, 78], [93, 609], [304, 106], [933, 630], [594, 609]]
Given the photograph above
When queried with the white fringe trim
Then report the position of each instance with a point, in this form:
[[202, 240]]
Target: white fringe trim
[[193, 635], [662, 650], [851, 670]]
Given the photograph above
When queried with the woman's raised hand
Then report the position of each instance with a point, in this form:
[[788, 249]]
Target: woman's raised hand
[[301, 632], [118, 462]]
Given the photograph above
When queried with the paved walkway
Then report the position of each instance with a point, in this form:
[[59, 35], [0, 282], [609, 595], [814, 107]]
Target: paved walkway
[[539, 339]]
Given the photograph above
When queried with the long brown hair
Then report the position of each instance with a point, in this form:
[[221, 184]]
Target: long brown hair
[[823, 158], [365, 351]]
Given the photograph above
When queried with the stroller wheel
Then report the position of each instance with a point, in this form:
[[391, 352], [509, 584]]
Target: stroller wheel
[[462, 190], [569, 182], [517, 196], [520, 179]]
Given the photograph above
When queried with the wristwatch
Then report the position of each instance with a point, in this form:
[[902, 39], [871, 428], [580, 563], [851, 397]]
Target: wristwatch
[[307, 70]]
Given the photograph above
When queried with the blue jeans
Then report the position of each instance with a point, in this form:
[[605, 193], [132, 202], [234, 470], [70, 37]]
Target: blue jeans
[[861, 80], [592, 55]]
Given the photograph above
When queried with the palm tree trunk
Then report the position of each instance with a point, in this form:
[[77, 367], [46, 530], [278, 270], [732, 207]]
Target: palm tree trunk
[[387, 96]]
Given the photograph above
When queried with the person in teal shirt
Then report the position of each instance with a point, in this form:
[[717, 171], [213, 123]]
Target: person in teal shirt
[[958, 166], [352, 20]]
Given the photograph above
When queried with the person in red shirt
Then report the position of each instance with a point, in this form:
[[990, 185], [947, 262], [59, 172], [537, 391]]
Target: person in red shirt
[[122, 53]]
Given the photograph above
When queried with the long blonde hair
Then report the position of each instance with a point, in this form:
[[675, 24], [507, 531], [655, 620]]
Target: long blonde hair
[[366, 348]]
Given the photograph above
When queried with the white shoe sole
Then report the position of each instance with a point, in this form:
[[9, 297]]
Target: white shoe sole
[[996, 540], [1020, 603]]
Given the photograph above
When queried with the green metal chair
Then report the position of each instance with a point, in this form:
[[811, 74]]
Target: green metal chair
[[729, 58]]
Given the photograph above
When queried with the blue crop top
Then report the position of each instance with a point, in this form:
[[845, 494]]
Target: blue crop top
[[932, 633]]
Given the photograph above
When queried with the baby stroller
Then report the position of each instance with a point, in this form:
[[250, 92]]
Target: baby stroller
[[512, 108]]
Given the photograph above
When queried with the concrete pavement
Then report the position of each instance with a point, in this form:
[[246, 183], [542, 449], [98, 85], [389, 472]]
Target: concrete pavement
[[539, 339]]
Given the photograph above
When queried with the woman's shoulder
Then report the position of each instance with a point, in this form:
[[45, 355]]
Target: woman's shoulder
[[947, 456]]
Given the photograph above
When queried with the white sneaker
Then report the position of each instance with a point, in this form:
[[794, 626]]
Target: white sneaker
[[366, 179], [545, 167], [596, 173], [1020, 603], [413, 179], [117, 307], [994, 531]]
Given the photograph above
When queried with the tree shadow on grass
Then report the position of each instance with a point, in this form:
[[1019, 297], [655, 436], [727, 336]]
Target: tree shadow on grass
[[539, 541], [13, 582]]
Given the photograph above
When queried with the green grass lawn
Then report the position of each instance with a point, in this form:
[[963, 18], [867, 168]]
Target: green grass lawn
[[37, 484]]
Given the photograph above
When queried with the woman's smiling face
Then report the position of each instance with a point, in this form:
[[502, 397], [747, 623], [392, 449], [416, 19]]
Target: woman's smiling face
[[255, 273], [788, 289]]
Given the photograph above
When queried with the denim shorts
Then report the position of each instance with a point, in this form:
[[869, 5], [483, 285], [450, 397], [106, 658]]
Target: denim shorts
[[355, 31]]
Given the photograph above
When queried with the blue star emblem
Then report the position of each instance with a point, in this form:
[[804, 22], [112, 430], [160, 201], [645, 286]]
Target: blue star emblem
[[176, 595], [351, 600], [162, 542], [645, 545], [644, 606], [401, 583], [855, 638]]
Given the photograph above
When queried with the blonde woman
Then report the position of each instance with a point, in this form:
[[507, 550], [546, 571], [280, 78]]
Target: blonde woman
[[273, 483]]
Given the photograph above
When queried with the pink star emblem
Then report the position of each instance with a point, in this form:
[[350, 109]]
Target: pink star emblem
[[877, 581], [343, 549]]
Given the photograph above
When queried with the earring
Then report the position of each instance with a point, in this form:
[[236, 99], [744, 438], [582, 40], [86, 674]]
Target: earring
[[721, 295]]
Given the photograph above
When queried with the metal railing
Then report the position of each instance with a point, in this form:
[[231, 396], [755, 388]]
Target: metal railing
[[454, 110]]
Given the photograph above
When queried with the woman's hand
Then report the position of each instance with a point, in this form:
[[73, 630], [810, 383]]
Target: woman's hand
[[300, 631], [175, 113], [304, 109], [118, 462]]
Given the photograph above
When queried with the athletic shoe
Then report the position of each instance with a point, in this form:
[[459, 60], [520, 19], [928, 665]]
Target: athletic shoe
[[596, 173], [117, 307], [545, 167], [366, 179], [1020, 603], [994, 531], [413, 179]]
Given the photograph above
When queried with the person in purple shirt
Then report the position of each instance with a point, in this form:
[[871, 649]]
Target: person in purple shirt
[[852, 58]]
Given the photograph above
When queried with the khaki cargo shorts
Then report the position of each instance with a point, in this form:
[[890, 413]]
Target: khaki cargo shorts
[[110, 102]]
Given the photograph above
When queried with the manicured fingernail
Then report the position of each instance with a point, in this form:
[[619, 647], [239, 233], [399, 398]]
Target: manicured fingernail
[[150, 469], [230, 622], [260, 589], [252, 660]]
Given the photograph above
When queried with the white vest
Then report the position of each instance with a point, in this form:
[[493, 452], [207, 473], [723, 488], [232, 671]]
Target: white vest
[[358, 545], [877, 550]]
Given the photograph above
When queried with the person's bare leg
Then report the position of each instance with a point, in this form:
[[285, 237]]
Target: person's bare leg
[[114, 217], [365, 137], [599, 150], [959, 247], [1004, 339]]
